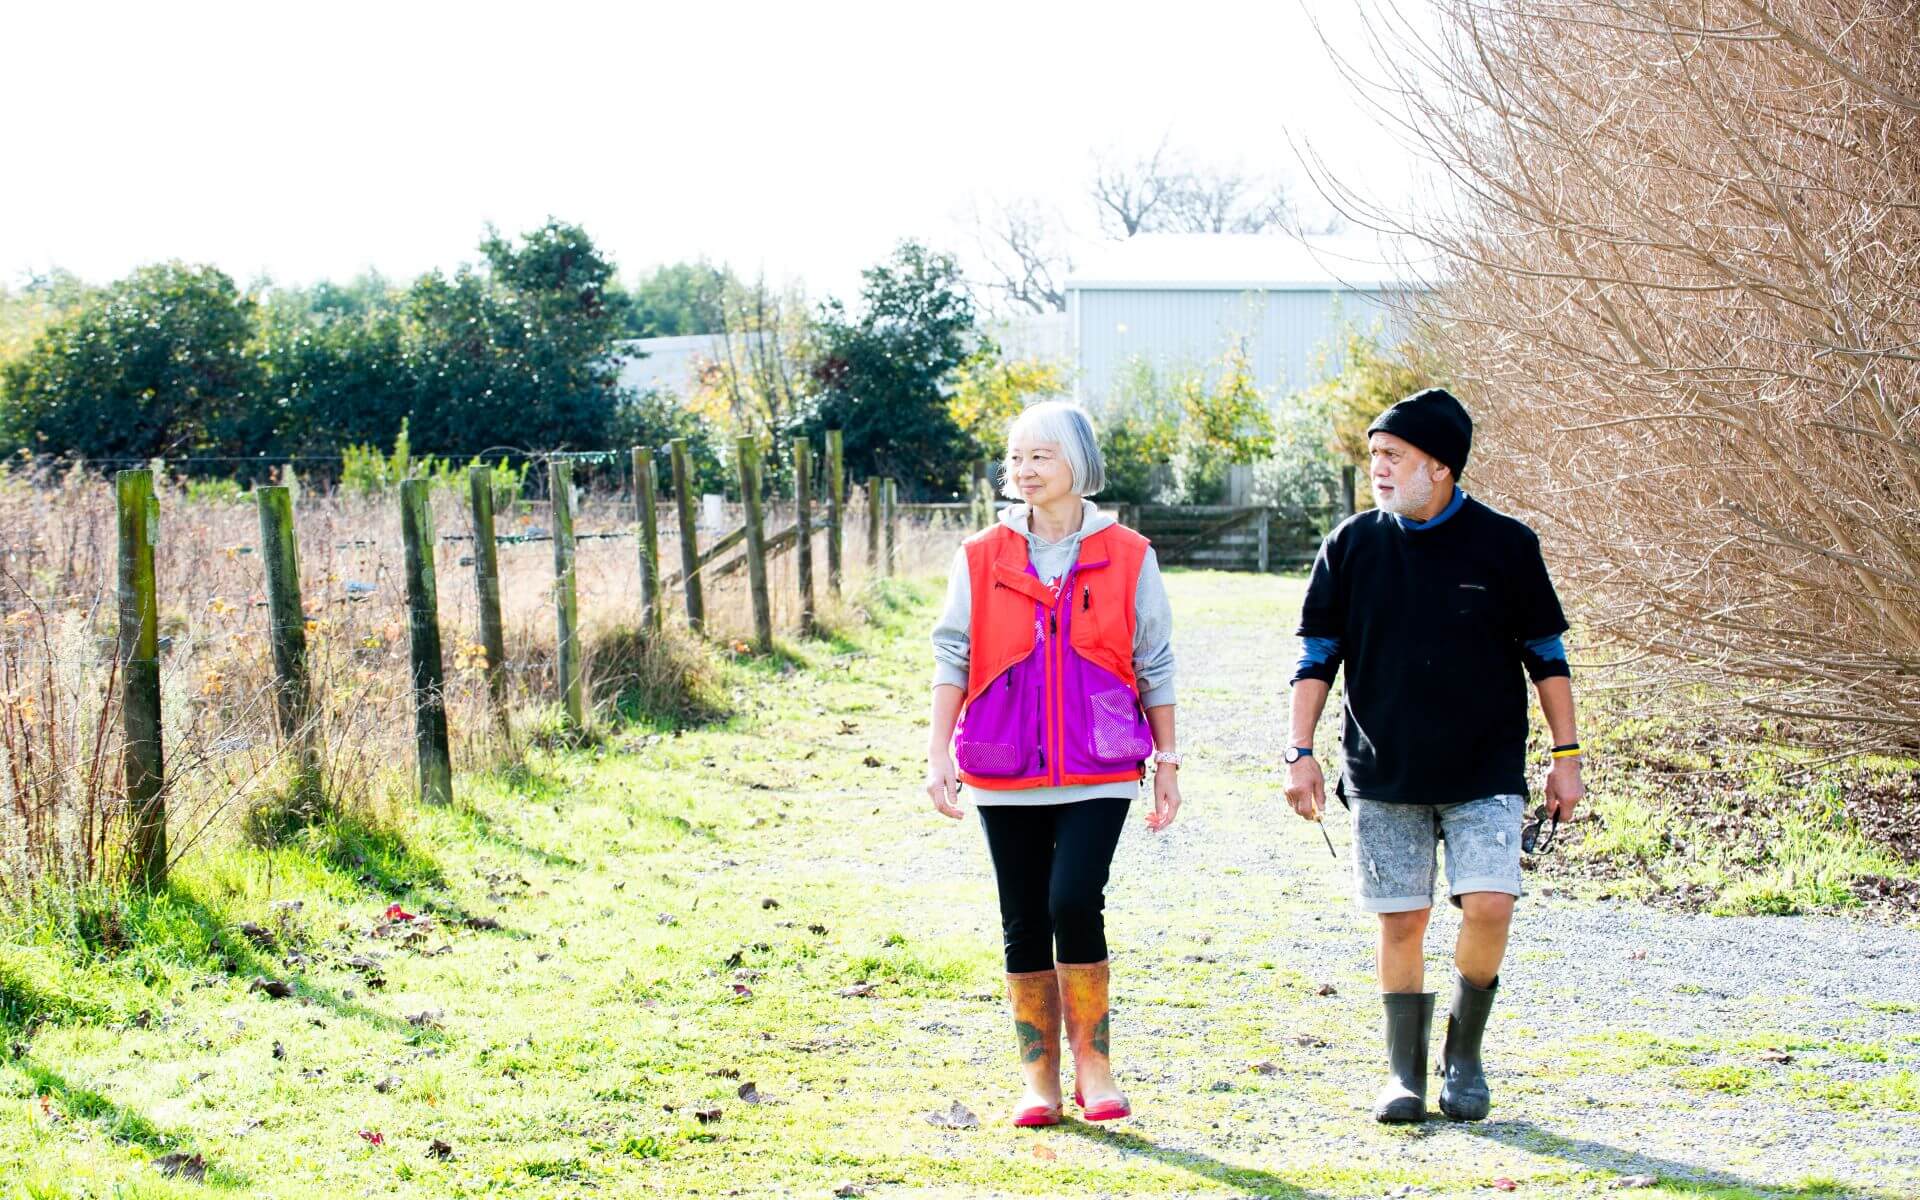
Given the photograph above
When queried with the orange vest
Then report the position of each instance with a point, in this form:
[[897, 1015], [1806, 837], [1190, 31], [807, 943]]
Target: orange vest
[[1001, 633]]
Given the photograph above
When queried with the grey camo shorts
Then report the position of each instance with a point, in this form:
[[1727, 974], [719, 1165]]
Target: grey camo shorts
[[1395, 850]]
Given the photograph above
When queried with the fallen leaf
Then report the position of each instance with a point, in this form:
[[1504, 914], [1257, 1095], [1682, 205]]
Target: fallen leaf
[[1503, 1184], [190, 1167], [707, 1116], [870, 761], [439, 1149], [257, 934], [1635, 1181], [667, 919], [847, 1190], [428, 1019], [279, 1051], [750, 1093], [858, 989], [956, 1117], [1308, 1039], [1636, 955], [278, 989], [1326, 989], [1265, 1068], [742, 990], [817, 930], [364, 962], [1043, 1152], [725, 1073], [735, 959], [396, 913], [373, 1137], [769, 902], [391, 1083], [482, 923], [1775, 1056]]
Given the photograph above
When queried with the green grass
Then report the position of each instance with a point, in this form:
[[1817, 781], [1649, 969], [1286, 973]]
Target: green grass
[[1760, 829], [638, 977]]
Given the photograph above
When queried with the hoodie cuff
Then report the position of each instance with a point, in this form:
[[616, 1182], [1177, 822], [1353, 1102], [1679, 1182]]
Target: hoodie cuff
[[1154, 697], [948, 673]]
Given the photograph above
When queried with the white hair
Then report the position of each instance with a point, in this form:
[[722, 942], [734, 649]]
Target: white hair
[[1067, 425]]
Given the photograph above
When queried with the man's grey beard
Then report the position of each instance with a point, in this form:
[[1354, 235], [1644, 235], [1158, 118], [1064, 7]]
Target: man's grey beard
[[1409, 498]]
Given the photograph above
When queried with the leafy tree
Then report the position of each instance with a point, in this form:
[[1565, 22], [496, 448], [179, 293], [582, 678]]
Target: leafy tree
[[1371, 379], [883, 377], [654, 418], [157, 364], [989, 391], [336, 364], [1226, 422], [679, 300], [523, 355]]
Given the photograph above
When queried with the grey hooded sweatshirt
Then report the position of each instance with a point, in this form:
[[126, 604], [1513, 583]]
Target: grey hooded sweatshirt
[[1152, 638]]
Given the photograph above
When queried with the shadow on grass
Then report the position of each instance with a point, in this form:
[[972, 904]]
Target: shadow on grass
[[373, 856], [116, 1121], [1249, 1180], [243, 959], [477, 825], [1598, 1156]]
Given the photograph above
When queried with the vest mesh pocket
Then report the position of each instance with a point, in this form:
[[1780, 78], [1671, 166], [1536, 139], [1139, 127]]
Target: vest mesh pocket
[[1119, 734]]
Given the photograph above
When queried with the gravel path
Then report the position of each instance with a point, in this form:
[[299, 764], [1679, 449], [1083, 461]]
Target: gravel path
[[1771, 1054]]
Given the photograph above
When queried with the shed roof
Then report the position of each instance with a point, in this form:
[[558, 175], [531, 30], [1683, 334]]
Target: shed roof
[[1244, 262]]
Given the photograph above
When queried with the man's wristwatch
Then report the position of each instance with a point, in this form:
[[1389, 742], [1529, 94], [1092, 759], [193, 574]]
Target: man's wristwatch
[[1294, 754], [1170, 757]]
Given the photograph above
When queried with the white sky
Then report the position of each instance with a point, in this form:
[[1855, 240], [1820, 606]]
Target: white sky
[[308, 141]]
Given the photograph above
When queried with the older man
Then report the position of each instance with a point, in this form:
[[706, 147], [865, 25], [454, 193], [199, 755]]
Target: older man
[[1435, 604]]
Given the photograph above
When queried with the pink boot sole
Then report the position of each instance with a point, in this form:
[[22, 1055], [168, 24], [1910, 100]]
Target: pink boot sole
[[1106, 1110], [1038, 1115]]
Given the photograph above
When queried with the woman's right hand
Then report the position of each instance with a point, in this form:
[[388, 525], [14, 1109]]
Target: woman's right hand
[[943, 784]]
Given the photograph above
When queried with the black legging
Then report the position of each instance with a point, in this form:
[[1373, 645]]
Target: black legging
[[1051, 863]]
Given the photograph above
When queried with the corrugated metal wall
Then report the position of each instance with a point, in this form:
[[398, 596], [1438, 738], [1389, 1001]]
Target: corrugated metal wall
[[1282, 332]]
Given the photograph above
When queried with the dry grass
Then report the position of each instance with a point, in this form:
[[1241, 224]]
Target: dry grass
[[229, 773]]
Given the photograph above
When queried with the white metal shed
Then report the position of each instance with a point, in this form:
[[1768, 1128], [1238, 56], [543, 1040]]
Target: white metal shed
[[1179, 301]]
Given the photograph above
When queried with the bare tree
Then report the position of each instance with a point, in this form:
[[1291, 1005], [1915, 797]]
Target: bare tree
[[1025, 250], [1682, 294], [1128, 195], [1223, 200]]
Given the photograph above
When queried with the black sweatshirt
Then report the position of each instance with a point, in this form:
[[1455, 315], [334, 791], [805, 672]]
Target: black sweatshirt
[[1435, 623]]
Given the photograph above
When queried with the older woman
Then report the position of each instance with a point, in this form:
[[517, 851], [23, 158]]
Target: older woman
[[1053, 687]]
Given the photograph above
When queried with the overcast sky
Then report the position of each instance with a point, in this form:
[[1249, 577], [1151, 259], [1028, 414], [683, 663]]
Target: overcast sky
[[306, 141]]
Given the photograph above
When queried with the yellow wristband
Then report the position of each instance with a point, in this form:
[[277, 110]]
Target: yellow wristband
[[1566, 754]]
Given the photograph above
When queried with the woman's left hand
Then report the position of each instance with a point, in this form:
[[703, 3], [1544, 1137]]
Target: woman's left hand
[[1166, 797]]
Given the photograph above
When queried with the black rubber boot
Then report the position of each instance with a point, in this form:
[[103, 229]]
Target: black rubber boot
[[1409, 1025], [1463, 1086]]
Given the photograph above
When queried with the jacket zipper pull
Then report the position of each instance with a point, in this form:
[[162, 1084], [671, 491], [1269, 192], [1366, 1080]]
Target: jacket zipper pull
[[1086, 598], [1053, 623]]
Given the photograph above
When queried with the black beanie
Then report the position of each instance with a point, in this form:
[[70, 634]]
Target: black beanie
[[1435, 422]]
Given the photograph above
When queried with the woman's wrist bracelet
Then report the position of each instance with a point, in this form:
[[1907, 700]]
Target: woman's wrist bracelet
[[1570, 750]]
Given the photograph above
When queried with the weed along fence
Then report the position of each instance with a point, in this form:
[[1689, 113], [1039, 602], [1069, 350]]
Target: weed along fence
[[278, 648]]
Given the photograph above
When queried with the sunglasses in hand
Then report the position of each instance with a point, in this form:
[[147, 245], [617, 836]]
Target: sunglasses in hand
[[1536, 836]]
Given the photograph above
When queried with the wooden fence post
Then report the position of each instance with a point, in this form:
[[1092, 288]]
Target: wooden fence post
[[423, 619], [486, 578], [139, 654], [891, 491], [836, 505], [689, 538], [644, 497], [287, 631], [749, 456], [875, 502], [803, 526], [1266, 558], [566, 596]]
